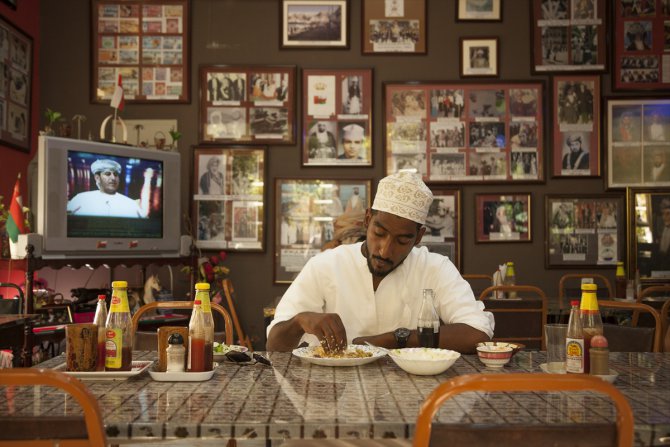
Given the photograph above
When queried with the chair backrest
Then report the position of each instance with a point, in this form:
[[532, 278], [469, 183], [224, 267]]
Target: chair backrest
[[229, 291], [649, 292], [46, 377], [11, 306], [478, 281], [185, 305], [665, 321], [600, 280], [522, 382], [521, 320], [628, 338]]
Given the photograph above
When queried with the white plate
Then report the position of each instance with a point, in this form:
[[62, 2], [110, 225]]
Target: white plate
[[307, 354], [137, 368], [181, 376], [611, 377], [222, 355]]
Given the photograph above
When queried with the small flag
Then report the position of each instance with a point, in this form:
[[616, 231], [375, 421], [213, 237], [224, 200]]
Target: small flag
[[14, 224], [117, 98]]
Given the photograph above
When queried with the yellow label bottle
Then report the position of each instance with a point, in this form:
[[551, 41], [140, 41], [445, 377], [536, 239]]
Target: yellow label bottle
[[592, 323], [119, 330]]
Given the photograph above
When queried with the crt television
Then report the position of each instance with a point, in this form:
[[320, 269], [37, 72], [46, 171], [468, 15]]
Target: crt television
[[98, 199]]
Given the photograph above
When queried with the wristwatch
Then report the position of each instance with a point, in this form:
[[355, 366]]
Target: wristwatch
[[401, 336]]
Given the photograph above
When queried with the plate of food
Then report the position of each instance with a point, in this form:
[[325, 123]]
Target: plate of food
[[137, 367], [354, 355], [221, 349]]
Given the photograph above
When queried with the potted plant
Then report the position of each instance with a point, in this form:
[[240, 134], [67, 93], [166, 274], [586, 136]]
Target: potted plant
[[175, 135], [52, 118]]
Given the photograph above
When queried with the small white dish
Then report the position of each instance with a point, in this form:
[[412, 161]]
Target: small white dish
[[611, 377], [137, 367], [181, 376], [424, 361], [495, 355]]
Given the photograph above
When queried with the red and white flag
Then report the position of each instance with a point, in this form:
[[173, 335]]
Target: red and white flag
[[14, 224], [117, 98]]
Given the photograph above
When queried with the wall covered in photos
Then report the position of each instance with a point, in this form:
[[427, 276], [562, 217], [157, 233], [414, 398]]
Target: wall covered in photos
[[246, 33]]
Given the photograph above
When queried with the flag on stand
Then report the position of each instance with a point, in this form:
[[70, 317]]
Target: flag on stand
[[14, 223], [117, 98]]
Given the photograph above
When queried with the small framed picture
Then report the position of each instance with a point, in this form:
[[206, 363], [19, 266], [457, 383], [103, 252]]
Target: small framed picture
[[503, 218], [478, 10], [314, 24], [443, 224], [394, 26], [479, 57], [649, 222]]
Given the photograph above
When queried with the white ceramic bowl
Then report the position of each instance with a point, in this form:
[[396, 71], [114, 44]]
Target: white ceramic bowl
[[494, 355], [424, 361]]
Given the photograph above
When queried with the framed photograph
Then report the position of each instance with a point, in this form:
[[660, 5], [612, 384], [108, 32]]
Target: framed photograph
[[314, 24], [394, 26], [305, 213], [569, 35], [585, 230], [229, 198], [337, 117], [16, 54], [479, 57], [443, 224], [478, 10], [576, 126], [638, 137], [247, 104], [503, 218], [465, 132], [146, 43], [641, 45], [648, 220]]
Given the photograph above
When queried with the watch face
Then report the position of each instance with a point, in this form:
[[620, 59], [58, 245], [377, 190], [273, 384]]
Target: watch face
[[402, 332]]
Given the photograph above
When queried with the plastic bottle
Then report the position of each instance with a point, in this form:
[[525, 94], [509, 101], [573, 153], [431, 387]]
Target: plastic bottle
[[175, 353], [100, 320], [428, 327], [620, 280], [119, 330], [202, 294], [592, 323], [200, 354], [574, 342], [510, 279], [599, 354]]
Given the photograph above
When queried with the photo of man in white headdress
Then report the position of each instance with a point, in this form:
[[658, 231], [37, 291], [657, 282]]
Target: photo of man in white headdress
[[353, 143]]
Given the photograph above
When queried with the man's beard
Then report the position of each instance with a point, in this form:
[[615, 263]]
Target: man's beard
[[379, 273]]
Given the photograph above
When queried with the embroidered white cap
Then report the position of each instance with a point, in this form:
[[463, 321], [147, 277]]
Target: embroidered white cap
[[405, 195], [105, 165], [353, 132]]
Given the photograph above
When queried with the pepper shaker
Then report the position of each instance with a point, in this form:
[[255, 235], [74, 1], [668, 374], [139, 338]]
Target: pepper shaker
[[176, 353]]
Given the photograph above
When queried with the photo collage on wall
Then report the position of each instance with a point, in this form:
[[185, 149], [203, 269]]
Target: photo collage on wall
[[146, 44], [465, 132], [228, 198]]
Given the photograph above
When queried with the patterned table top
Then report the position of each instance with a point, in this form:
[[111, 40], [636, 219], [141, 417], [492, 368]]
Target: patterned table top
[[295, 399]]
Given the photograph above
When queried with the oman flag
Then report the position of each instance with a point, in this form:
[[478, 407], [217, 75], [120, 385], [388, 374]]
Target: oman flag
[[14, 223], [117, 97]]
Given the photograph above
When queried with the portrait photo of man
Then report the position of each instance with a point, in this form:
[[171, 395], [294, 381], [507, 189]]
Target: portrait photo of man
[[321, 142], [353, 143], [656, 168], [660, 256], [576, 155]]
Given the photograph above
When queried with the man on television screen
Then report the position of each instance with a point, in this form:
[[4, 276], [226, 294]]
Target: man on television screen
[[106, 202]]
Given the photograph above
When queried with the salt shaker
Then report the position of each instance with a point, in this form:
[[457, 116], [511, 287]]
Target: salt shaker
[[176, 353]]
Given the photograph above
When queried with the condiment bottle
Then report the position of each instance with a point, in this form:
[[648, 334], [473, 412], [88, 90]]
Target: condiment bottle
[[100, 320], [175, 353], [510, 279], [119, 330], [574, 342], [592, 323], [200, 354], [428, 326], [620, 279], [599, 354], [202, 294]]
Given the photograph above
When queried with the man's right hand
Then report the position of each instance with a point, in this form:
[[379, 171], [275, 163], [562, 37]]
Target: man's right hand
[[328, 328]]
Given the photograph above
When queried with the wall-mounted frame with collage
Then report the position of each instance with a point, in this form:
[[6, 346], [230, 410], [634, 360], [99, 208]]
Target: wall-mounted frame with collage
[[147, 42], [337, 117], [394, 27], [229, 198], [503, 218], [443, 224], [584, 230], [649, 222], [247, 104], [465, 132], [305, 211]]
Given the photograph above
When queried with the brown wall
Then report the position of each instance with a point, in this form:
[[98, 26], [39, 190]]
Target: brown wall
[[250, 30]]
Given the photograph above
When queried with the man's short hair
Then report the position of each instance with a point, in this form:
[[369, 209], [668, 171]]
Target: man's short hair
[[99, 166]]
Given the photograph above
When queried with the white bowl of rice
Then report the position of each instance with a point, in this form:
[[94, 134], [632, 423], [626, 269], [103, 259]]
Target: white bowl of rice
[[424, 361]]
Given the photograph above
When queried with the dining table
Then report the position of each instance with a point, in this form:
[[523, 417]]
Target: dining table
[[294, 398]]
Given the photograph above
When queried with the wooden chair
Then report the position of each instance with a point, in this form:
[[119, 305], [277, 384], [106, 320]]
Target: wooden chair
[[522, 382], [72, 386], [598, 279], [521, 320], [632, 338], [229, 291], [228, 325], [665, 320], [478, 281], [649, 292]]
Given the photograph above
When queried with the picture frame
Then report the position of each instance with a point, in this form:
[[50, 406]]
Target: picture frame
[[585, 230], [302, 27], [337, 117], [16, 54], [640, 45], [147, 44], [478, 11], [569, 35], [247, 104], [458, 132], [394, 27], [479, 57], [229, 198], [638, 133], [576, 126], [305, 213], [444, 224], [648, 214], [503, 218]]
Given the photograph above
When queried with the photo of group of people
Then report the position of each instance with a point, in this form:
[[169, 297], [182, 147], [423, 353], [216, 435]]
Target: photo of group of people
[[503, 218], [15, 74], [394, 26], [465, 132]]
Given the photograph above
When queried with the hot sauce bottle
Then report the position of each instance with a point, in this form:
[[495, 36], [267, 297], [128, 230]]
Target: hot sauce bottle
[[119, 330], [200, 354], [592, 323], [100, 320]]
